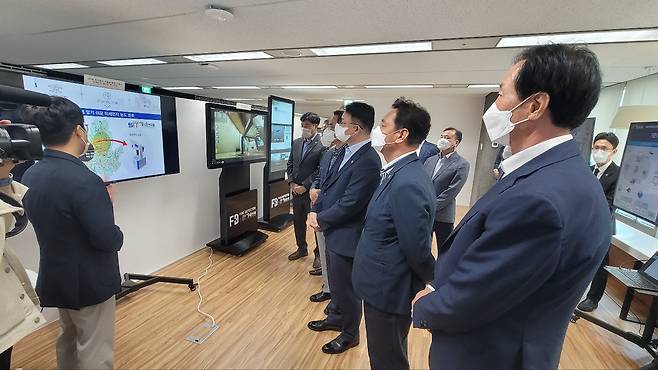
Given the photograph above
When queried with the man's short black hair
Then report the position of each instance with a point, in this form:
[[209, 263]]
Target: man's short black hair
[[363, 113], [339, 115], [56, 122], [458, 133], [609, 137], [414, 118], [570, 75], [311, 117]]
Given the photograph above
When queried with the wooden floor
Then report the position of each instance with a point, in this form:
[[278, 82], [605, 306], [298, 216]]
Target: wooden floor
[[261, 302]]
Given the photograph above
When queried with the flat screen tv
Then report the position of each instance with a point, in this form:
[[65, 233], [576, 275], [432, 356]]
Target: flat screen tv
[[234, 136], [132, 135], [281, 113], [637, 187]]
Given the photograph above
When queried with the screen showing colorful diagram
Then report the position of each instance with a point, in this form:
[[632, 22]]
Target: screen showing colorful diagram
[[637, 188], [281, 116], [124, 128]]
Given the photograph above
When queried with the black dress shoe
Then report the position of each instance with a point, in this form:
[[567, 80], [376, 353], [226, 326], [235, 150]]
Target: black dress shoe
[[316, 263], [588, 305], [320, 297], [339, 345], [298, 254], [322, 325], [315, 272]]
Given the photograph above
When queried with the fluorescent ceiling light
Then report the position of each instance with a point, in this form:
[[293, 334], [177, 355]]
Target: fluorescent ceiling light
[[310, 87], [406, 47], [483, 86], [183, 88], [236, 87], [61, 66], [580, 38], [131, 62], [398, 86], [244, 99], [229, 56]]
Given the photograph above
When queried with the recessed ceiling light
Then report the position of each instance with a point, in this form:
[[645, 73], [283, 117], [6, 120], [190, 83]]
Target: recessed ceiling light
[[405, 47], [131, 62], [601, 37], [236, 87], [399, 86], [310, 87], [61, 66], [483, 86], [183, 88], [218, 13], [247, 55]]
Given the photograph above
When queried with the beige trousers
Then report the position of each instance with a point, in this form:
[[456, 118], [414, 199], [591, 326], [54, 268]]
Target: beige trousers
[[86, 337]]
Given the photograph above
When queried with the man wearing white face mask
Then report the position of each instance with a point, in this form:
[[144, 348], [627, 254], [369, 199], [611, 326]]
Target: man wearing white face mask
[[604, 149], [520, 260], [449, 172], [73, 217]]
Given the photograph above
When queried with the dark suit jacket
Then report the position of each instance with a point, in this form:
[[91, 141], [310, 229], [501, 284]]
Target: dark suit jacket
[[73, 219], [302, 170], [447, 182], [394, 258], [344, 197], [428, 150], [518, 264], [609, 182]]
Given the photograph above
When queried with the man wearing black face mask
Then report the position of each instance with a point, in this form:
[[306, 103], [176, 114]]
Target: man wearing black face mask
[[72, 214], [520, 260]]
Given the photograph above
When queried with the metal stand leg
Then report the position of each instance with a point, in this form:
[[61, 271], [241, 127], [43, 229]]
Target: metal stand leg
[[135, 282]]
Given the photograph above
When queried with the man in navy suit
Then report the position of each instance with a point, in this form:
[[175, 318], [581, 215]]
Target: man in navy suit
[[448, 172], [73, 218], [520, 260], [351, 179], [394, 258], [426, 150]]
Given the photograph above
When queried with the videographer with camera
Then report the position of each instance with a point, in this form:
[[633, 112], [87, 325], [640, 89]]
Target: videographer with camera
[[19, 308], [72, 213]]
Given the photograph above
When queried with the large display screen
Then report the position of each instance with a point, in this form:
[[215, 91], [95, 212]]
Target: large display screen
[[281, 118], [234, 136], [132, 135], [637, 187]]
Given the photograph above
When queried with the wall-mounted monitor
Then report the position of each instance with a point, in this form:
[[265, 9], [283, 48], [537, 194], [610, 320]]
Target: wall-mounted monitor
[[637, 187], [234, 136], [133, 135], [281, 113]]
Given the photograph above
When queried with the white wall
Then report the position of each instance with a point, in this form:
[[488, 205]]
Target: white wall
[[163, 218]]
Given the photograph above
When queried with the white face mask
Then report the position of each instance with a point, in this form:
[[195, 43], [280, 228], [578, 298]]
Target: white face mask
[[507, 152], [499, 122], [328, 136], [600, 156], [306, 133], [378, 138], [341, 133], [443, 144]]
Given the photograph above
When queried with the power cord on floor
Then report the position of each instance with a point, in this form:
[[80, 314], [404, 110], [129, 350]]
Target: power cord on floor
[[198, 289]]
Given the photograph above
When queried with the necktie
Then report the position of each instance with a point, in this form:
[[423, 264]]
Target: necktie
[[596, 172], [383, 174], [305, 146], [501, 172]]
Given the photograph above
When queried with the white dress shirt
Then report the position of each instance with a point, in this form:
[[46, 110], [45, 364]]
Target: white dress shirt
[[602, 169], [390, 164], [517, 160]]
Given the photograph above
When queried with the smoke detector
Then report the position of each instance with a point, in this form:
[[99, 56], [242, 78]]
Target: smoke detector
[[219, 14]]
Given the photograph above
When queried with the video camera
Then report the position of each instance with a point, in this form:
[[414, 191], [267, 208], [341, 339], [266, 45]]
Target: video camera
[[19, 141]]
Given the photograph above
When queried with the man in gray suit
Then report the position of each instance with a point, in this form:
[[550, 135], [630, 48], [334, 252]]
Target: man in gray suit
[[449, 172]]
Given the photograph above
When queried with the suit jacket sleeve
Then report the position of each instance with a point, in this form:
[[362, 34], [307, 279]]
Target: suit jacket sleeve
[[612, 186], [499, 270], [413, 217], [94, 211], [456, 185], [290, 165], [363, 183]]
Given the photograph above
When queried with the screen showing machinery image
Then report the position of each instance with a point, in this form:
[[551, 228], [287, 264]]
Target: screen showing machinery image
[[234, 136], [637, 187]]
